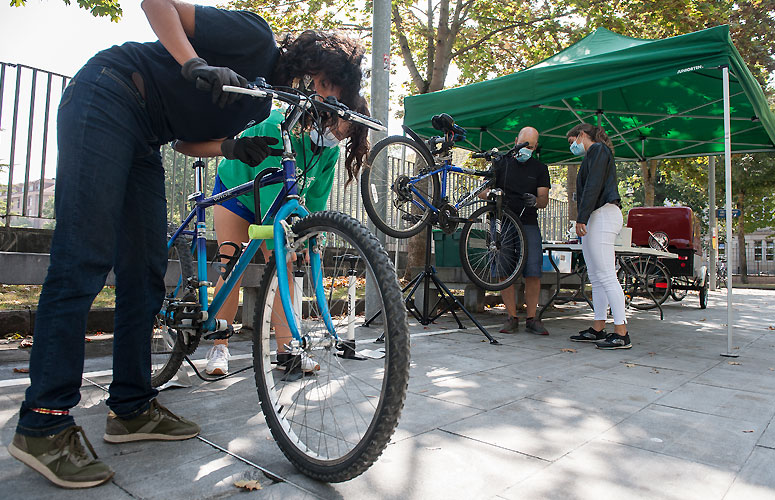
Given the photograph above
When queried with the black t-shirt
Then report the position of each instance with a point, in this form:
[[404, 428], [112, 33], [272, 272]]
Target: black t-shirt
[[239, 40], [515, 178]]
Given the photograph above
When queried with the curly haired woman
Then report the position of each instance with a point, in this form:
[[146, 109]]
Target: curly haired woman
[[114, 116]]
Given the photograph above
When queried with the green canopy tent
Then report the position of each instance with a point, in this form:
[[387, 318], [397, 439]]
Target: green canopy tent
[[689, 95]]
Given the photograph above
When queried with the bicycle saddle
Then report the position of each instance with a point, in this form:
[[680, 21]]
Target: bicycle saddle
[[446, 124]]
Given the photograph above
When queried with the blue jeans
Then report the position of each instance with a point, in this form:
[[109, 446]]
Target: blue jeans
[[111, 213]]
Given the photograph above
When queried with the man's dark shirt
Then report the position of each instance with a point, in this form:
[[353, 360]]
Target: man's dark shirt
[[515, 178]]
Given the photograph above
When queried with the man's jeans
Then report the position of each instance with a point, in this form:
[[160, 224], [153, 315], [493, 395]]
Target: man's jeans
[[110, 213]]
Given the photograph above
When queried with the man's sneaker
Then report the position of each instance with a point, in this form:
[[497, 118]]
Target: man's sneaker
[[536, 327], [61, 458], [589, 335], [290, 362], [615, 341], [218, 360], [157, 422], [510, 326]]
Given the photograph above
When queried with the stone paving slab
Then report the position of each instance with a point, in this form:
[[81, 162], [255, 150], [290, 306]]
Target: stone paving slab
[[606, 470], [756, 480], [709, 439], [535, 417]]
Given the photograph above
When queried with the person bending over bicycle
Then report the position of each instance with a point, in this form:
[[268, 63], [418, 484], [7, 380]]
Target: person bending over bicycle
[[525, 182], [114, 116], [317, 155]]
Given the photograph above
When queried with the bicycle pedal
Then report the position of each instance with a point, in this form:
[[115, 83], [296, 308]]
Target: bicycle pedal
[[220, 335]]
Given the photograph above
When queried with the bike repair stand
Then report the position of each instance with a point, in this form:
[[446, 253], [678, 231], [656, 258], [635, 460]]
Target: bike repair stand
[[425, 277]]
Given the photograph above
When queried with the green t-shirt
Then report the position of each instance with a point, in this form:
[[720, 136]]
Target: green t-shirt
[[320, 173]]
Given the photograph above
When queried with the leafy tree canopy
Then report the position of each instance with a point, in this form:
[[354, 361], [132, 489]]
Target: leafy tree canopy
[[98, 8]]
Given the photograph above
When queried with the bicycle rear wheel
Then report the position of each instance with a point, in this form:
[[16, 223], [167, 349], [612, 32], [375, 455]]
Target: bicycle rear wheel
[[332, 424], [641, 276], [390, 196], [167, 345], [492, 249]]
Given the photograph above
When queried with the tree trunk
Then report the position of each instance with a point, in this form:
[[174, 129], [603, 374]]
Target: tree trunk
[[415, 254], [741, 254], [648, 170]]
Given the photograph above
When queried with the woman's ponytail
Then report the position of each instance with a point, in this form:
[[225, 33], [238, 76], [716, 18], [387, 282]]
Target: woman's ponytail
[[597, 134]]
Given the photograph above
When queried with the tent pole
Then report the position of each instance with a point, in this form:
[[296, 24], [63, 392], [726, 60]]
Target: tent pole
[[728, 204], [713, 225]]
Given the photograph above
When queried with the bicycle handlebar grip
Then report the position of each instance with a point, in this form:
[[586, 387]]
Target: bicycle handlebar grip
[[256, 232]]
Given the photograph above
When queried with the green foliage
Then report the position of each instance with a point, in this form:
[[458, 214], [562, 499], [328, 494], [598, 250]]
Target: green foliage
[[98, 8], [750, 23], [294, 17]]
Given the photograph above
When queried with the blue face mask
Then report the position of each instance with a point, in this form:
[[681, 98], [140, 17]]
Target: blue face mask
[[524, 154], [328, 140], [577, 149]]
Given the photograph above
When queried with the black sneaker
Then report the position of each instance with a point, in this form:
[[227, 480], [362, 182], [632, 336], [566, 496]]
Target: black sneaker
[[615, 341], [61, 458], [589, 335], [536, 327], [510, 326]]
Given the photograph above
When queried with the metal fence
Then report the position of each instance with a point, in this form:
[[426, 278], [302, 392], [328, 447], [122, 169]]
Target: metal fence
[[759, 256], [28, 101]]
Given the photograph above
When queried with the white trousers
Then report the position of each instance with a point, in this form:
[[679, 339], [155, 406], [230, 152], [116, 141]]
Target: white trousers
[[598, 248]]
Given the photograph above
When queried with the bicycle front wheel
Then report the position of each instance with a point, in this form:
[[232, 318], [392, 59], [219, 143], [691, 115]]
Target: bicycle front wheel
[[333, 404], [493, 249], [396, 201]]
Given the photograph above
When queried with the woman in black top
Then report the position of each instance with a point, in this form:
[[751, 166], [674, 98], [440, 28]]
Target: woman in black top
[[114, 115], [598, 222]]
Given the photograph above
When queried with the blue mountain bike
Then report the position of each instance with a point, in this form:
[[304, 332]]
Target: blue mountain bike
[[332, 423]]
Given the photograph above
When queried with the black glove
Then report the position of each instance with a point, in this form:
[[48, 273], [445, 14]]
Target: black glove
[[213, 78], [529, 199], [250, 150]]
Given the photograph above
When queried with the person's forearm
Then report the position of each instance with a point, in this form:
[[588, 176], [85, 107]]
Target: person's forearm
[[542, 201], [173, 23], [205, 149]]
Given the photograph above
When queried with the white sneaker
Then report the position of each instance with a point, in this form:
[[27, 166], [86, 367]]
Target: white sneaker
[[308, 365], [218, 360]]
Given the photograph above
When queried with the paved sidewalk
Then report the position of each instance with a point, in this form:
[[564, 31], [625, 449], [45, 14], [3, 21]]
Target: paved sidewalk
[[533, 418]]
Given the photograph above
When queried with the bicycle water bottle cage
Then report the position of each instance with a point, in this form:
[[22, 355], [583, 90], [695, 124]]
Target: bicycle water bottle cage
[[231, 260], [256, 189]]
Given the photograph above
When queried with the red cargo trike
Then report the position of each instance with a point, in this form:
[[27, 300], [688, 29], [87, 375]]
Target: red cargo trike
[[675, 230]]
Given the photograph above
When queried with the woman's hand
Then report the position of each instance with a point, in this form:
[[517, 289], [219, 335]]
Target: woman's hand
[[581, 229]]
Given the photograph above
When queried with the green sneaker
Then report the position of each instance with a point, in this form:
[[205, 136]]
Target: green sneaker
[[61, 458], [157, 422]]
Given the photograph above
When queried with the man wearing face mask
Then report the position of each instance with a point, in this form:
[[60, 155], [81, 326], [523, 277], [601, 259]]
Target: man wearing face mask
[[525, 183]]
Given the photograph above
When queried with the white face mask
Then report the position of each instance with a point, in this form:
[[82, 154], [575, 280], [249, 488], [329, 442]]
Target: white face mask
[[328, 140]]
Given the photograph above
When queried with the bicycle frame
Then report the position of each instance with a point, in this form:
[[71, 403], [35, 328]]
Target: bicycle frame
[[285, 204], [445, 168]]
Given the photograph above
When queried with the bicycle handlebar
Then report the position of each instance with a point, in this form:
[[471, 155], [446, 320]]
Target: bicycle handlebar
[[330, 104], [494, 154]]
